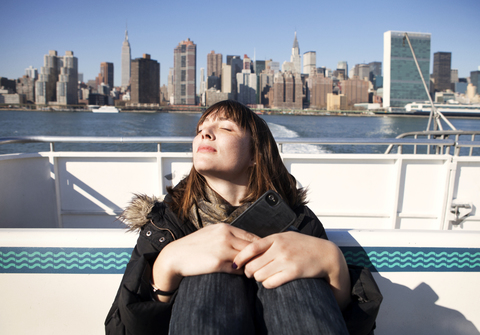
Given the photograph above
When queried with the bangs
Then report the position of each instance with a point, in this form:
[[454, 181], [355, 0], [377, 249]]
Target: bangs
[[232, 111]]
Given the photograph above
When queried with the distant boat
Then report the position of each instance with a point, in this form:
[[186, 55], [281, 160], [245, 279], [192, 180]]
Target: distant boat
[[105, 109], [447, 109]]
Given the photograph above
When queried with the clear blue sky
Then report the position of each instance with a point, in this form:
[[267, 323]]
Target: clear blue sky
[[336, 30]]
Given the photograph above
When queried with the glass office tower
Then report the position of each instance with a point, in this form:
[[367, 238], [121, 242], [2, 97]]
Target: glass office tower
[[402, 83]]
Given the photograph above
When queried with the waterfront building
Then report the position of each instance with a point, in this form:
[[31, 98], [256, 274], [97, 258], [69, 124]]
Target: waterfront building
[[336, 102], [442, 68], [247, 86], [58, 79], [361, 71], [287, 90], [106, 75], [295, 58], [288, 67], [214, 64], [259, 66], [341, 74], [31, 72], [236, 66], [265, 87], [355, 90], [46, 85], [402, 83], [309, 62], [185, 73], [214, 82], [454, 75], [67, 84], [203, 84], [322, 70], [26, 86], [375, 70], [247, 63], [230, 58], [212, 96], [145, 81], [343, 65], [226, 78], [214, 70], [471, 91], [126, 61], [461, 87], [475, 79], [271, 65], [170, 85], [320, 87]]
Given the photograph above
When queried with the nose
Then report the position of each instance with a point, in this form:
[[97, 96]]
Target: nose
[[208, 133]]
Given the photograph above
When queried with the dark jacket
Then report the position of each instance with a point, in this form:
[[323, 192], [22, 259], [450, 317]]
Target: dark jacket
[[135, 312]]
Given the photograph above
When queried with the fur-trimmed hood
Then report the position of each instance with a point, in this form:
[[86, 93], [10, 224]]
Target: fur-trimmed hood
[[135, 216]]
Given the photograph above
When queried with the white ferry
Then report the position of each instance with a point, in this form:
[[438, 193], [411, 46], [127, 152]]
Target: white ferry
[[447, 109], [413, 219], [105, 109]]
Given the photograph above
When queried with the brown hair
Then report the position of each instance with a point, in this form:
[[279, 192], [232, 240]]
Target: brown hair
[[268, 172]]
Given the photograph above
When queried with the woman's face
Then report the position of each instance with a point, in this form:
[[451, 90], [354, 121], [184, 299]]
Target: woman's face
[[221, 150]]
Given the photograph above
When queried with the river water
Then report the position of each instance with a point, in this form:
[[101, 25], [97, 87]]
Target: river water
[[28, 123]]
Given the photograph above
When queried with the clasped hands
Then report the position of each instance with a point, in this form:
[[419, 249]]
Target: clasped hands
[[273, 260]]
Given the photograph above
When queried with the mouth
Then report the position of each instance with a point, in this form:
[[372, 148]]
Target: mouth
[[206, 148]]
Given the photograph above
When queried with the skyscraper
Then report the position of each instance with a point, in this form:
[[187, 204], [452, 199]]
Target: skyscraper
[[46, 85], [442, 67], [309, 62], [67, 84], [145, 87], [295, 58], [343, 65], [401, 81], [475, 79], [214, 64], [185, 73], [319, 91], [247, 83], [58, 79], [106, 74], [126, 61]]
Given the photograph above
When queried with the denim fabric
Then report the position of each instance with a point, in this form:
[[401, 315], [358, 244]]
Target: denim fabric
[[221, 303]]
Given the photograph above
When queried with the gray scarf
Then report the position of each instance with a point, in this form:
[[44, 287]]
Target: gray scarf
[[214, 209]]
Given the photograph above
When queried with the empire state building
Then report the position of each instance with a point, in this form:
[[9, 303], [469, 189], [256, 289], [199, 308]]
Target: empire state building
[[126, 59]]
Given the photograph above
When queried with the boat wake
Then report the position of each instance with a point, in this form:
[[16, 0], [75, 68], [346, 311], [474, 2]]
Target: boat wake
[[280, 131]]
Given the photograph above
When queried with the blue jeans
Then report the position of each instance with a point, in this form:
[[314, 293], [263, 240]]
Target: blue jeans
[[221, 303]]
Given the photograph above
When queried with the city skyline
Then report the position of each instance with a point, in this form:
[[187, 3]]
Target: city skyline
[[354, 34]]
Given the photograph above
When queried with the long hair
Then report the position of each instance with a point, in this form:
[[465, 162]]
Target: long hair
[[268, 172]]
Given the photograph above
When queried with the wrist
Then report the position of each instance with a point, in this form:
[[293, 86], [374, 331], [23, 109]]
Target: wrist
[[164, 275]]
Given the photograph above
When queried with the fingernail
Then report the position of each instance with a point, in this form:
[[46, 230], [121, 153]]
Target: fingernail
[[234, 266]]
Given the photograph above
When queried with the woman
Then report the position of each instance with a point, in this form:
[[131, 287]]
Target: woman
[[192, 272]]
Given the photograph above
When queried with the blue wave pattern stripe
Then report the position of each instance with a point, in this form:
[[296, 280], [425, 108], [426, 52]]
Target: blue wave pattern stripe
[[64, 260], [114, 260], [381, 259]]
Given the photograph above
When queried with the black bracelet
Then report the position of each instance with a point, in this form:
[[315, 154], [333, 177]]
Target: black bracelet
[[158, 291]]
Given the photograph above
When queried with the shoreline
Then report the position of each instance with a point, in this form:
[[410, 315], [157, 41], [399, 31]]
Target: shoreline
[[197, 110]]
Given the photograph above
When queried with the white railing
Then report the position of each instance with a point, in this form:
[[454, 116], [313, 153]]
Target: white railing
[[73, 189]]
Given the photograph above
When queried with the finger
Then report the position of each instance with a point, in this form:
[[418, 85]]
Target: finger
[[243, 234], [252, 250], [277, 280], [261, 267]]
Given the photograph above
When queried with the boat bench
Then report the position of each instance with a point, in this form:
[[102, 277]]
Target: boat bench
[[66, 279]]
